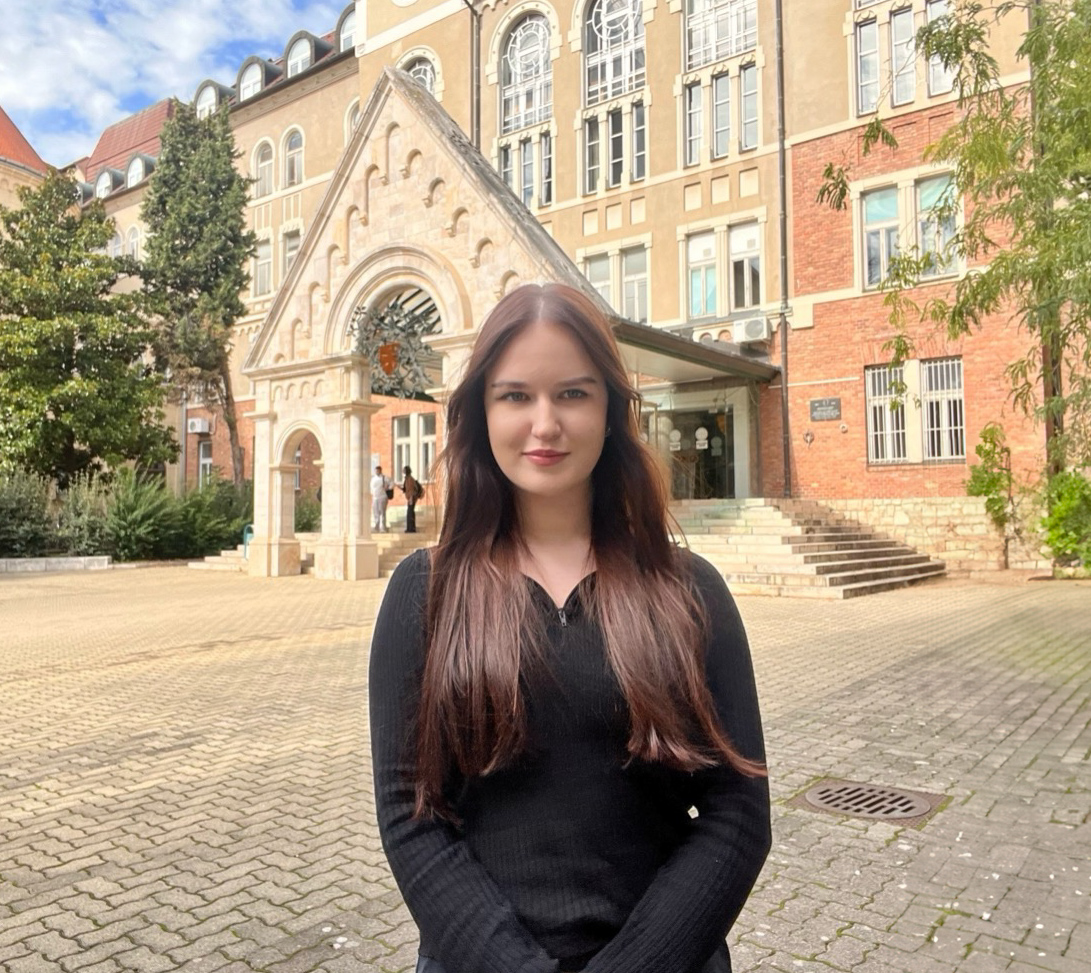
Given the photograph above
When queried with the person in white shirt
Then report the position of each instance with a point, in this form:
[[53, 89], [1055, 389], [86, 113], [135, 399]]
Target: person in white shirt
[[380, 497]]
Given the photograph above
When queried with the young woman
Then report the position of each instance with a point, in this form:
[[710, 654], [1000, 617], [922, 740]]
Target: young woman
[[565, 733]]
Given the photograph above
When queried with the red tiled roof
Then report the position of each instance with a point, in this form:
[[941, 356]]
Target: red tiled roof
[[122, 140], [15, 148]]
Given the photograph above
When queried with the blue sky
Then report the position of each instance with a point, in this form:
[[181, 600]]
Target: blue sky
[[69, 68]]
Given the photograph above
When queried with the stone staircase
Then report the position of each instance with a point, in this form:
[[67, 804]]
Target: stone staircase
[[797, 549]]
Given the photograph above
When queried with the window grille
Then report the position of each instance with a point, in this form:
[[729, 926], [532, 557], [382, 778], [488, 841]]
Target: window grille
[[616, 148], [250, 83], [348, 31], [880, 233], [135, 173], [615, 49], [902, 57], [716, 29], [943, 408], [886, 442], [423, 72], [527, 82], [867, 67], [526, 172], [299, 57]]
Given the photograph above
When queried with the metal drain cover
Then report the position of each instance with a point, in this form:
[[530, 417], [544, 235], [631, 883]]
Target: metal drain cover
[[869, 801]]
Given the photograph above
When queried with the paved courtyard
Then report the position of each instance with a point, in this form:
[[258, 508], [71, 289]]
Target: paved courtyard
[[184, 780]]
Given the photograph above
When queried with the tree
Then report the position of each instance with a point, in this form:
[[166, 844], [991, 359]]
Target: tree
[[196, 258], [76, 393], [1021, 163]]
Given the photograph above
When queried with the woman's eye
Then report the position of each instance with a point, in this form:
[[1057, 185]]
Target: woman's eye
[[513, 397], [573, 394]]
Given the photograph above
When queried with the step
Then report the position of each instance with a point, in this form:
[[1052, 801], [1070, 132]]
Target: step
[[821, 564], [789, 579], [833, 594], [215, 564]]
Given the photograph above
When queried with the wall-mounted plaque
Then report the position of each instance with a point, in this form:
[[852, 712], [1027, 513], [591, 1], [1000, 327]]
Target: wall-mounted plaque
[[823, 410]]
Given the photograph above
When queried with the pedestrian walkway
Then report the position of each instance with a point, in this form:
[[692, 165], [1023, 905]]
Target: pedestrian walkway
[[184, 780]]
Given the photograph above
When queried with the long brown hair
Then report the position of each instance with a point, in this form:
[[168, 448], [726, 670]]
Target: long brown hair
[[480, 630]]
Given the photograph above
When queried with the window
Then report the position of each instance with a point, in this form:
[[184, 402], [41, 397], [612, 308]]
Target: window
[[132, 243], [886, 439], [614, 49], [545, 154], [135, 172], [263, 267], [348, 31], [716, 29], [526, 171], [721, 116], [591, 155], [427, 445], [103, 185], [414, 444], [693, 123], [744, 243], [354, 117], [527, 75], [114, 246], [936, 225], [942, 407], [421, 70], [940, 80], [597, 271], [504, 166], [880, 233], [701, 265], [204, 462], [206, 101], [297, 461], [748, 79], [299, 57], [634, 284], [403, 444], [293, 159], [263, 174], [640, 139], [250, 82], [902, 61], [616, 162], [291, 248], [867, 67]]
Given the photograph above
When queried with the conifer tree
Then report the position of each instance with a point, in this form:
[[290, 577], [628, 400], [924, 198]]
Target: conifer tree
[[196, 258]]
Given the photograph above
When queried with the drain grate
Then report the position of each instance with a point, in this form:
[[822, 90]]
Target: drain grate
[[869, 801]]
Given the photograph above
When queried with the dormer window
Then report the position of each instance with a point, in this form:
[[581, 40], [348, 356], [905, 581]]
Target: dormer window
[[103, 185], [206, 101], [250, 83], [348, 31], [135, 173], [299, 57]]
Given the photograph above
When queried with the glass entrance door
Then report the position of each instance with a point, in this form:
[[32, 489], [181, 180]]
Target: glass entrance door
[[699, 450]]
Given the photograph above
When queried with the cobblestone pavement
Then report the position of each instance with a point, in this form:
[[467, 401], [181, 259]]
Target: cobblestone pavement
[[183, 779]]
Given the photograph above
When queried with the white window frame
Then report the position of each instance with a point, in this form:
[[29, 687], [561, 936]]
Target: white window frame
[[694, 117], [401, 444], [943, 408], [504, 164], [705, 270], [592, 153], [263, 170], [427, 446], [718, 29], [206, 101], [526, 88], [204, 462], [263, 267], [614, 58], [293, 158], [413, 444], [940, 80], [887, 435], [299, 57], [347, 38], [598, 271], [903, 57], [745, 258], [290, 241], [104, 184], [886, 233], [615, 148], [634, 283], [134, 175], [935, 230], [639, 168], [720, 143], [132, 243], [250, 82], [867, 53], [545, 168], [526, 171], [749, 133], [423, 71]]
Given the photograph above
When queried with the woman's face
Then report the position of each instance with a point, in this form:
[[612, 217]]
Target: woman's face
[[545, 407]]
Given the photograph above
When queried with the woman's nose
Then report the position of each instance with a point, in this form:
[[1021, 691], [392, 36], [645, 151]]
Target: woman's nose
[[546, 425]]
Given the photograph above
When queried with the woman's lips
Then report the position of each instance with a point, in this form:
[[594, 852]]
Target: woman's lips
[[544, 457]]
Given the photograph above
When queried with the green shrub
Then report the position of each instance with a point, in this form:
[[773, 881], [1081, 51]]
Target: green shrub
[[25, 525], [308, 515], [211, 519], [141, 518], [1067, 525], [82, 515]]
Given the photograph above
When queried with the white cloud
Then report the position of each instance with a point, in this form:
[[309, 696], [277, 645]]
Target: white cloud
[[72, 67]]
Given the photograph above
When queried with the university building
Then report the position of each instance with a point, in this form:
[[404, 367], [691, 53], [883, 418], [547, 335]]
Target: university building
[[437, 154]]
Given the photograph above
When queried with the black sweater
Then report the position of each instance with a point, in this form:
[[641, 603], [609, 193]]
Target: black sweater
[[573, 858]]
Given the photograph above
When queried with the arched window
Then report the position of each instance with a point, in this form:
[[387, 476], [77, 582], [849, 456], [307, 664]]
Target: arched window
[[250, 83], [352, 120], [132, 243], [614, 45], [293, 159], [115, 245], [527, 75], [263, 170], [348, 31], [103, 185], [421, 70], [716, 29], [299, 57], [135, 172], [206, 101]]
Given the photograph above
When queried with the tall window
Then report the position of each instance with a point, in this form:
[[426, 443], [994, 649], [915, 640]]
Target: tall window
[[299, 57], [114, 246], [943, 410], [263, 267], [867, 67], [716, 29], [403, 444], [206, 101], [293, 159], [614, 49], [936, 224], [886, 442], [634, 284], [694, 117], [135, 172], [526, 171], [204, 462], [250, 82], [132, 243], [291, 248], [902, 61], [414, 444], [940, 80], [880, 233], [640, 139], [263, 170], [744, 243], [545, 157], [348, 31], [701, 271], [591, 149], [616, 158], [748, 101], [427, 445], [423, 71], [504, 166], [527, 75], [597, 271], [721, 116]]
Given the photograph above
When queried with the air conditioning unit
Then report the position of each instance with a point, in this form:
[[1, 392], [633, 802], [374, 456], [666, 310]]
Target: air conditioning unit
[[750, 329], [196, 426]]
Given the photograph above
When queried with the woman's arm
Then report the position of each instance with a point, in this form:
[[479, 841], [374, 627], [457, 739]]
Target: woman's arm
[[698, 893], [465, 921]]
